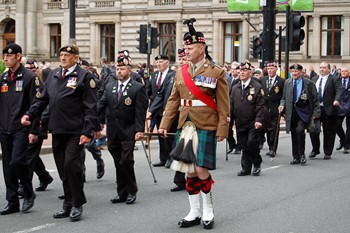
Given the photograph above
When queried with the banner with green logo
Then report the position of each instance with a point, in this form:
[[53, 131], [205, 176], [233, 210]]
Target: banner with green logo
[[239, 6]]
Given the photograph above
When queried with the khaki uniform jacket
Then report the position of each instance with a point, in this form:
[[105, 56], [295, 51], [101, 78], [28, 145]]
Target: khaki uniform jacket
[[204, 117]]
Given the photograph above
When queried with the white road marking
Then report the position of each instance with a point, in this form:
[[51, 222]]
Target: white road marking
[[48, 225], [273, 167]]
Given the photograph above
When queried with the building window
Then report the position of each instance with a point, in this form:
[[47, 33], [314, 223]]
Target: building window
[[55, 39], [167, 40], [233, 44], [108, 41], [332, 36]]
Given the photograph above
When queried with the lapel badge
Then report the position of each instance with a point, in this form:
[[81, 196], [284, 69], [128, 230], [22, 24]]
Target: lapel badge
[[277, 89], [128, 101], [37, 82], [250, 97], [92, 83]]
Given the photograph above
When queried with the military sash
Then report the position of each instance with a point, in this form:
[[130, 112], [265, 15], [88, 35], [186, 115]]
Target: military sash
[[195, 90]]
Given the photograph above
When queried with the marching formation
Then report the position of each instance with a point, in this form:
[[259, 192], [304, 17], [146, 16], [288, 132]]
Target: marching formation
[[190, 108]]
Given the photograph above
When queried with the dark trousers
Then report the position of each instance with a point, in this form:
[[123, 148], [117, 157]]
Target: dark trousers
[[15, 166], [122, 152], [35, 163], [164, 149], [297, 129], [230, 138], [329, 127], [250, 148], [67, 153], [271, 133], [344, 137]]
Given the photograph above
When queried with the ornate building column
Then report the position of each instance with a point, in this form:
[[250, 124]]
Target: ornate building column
[[93, 43], [245, 40], [179, 36], [346, 39], [118, 39], [216, 49], [31, 21], [20, 26], [316, 48]]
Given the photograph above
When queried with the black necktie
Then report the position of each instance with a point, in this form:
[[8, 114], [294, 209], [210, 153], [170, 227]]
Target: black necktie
[[120, 91], [344, 83], [64, 73], [295, 92], [320, 96]]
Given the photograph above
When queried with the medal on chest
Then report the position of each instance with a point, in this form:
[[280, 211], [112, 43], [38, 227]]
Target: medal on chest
[[4, 88], [72, 82], [19, 85]]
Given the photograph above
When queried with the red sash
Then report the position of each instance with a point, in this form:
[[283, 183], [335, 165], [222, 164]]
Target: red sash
[[195, 90]]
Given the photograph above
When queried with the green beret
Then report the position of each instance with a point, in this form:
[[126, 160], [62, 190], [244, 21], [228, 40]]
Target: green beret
[[71, 48]]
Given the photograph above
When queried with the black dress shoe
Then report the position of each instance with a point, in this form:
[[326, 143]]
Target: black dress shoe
[[268, 153], [243, 173], [185, 223], [229, 151], [20, 191], [208, 224], [168, 163], [100, 168], [160, 164], [130, 199], [177, 188], [62, 197], [9, 209], [313, 154], [62, 214], [346, 151], [303, 160], [295, 161], [257, 170], [327, 157], [43, 185], [75, 213], [118, 199], [237, 151], [28, 203], [339, 147]]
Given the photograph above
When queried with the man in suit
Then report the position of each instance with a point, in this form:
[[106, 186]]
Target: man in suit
[[200, 92], [231, 81], [247, 100], [105, 70], [160, 78], [272, 85], [126, 101], [300, 106], [344, 111], [329, 92], [70, 93]]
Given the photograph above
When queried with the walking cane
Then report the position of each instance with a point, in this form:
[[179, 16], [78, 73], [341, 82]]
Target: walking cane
[[149, 161], [276, 136], [148, 141]]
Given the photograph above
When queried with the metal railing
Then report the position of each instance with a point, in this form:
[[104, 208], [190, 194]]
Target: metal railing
[[103, 4], [8, 2], [164, 2]]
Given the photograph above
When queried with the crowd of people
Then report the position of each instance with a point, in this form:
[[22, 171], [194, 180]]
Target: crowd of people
[[190, 109]]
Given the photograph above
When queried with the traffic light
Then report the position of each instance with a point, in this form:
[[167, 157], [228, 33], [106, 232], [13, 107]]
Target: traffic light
[[256, 47], [296, 33], [154, 38], [142, 47]]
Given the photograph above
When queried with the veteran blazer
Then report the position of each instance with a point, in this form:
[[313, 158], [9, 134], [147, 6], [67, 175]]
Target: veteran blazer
[[204, 117], [274, 95], [310, 99], [126, 116]]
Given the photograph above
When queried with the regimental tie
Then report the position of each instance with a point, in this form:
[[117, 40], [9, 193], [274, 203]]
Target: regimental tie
[[270, 83], [295, 92], [65, 71], [320, 96], [12, 76], [120, 92], [159, 81]]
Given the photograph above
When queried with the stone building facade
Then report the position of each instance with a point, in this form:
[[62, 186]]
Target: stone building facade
[[103, 27]]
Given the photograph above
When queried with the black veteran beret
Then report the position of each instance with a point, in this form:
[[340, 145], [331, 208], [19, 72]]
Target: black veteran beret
[[271, 63], [12, 49], [192, 36], [31, 64], [123, 53], [161, 57], [296, 67], [71, 48], [84, 63], [181, 52], [124, 61], [246, 66]]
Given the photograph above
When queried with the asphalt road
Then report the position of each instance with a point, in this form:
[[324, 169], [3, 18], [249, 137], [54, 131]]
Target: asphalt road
[[284, 199]]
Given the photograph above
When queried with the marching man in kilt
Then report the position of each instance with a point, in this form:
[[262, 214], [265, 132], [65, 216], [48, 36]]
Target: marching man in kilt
[[200, 92]]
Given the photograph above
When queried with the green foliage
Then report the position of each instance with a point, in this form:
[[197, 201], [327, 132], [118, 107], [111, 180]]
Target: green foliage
[[2, 66]]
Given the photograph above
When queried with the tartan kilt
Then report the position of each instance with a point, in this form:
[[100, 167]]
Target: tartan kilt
[[206, 151]]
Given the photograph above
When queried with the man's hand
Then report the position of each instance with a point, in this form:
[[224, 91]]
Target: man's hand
[[220, 138], [25, 120], [336, 103], [280, 109], [257, 125], [32, 138], [97, 134], [164, 132], [228, 120], [138, 136], [84, 140], [148, 115]]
